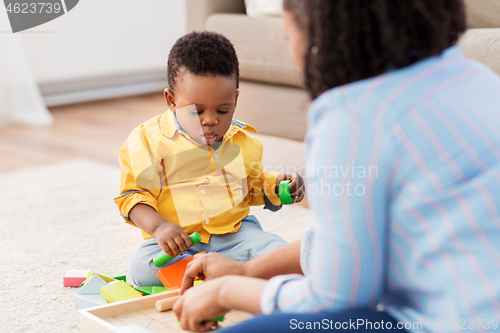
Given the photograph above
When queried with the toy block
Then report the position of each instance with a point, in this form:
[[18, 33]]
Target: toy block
[[89, 300], [172, 275], [159, 289], [118, 291], [74, 277], [151, 290], [197, 282], [119, 277], [93, 286], [163, 258], [219, 319], [284, 192], [145, 290], [165, 304], [89, 294], [104, 277]]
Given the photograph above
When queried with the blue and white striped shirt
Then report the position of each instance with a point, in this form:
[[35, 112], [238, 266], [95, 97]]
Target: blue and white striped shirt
[[404, 190]]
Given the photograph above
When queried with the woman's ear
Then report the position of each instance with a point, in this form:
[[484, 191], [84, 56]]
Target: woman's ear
[[170, 98]]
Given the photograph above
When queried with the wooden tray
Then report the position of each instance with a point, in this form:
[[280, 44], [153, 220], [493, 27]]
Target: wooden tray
[[114, 317]]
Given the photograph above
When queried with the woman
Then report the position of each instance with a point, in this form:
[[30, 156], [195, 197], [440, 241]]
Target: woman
[[403, 140]]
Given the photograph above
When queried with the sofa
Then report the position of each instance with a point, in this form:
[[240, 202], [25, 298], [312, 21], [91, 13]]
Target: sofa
[[272, 97]]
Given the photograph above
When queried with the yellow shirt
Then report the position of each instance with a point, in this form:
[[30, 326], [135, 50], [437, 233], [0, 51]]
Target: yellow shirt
[[197, 187]]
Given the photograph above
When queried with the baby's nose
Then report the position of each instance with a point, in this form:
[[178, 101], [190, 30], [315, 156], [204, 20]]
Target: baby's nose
[[209, 121]]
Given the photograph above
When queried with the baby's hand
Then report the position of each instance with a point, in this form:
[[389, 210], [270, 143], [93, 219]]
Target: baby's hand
[[172, 239], [297, 188]]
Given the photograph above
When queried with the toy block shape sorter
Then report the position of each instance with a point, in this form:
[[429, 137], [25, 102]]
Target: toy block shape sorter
[[89, 294], [74, 277], [118, 291], [172, 275]]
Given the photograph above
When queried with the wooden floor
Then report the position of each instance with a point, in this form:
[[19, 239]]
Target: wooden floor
[[94, 130]]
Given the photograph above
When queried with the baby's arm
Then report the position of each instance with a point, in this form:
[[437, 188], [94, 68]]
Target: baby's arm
[[170, 236]]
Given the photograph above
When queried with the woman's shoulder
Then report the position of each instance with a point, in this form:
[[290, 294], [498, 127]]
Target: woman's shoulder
[[394, 92]]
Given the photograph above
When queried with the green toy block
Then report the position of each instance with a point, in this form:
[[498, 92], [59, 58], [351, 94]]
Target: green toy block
[[219, 319], [145, 290], [158, 289], [197, 282], [118, 291], [120, 277], [151, 290], [163, 258], [284, 192]]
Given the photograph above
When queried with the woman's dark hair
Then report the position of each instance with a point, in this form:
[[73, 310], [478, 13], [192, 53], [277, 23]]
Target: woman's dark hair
[[202, 53], [351, 40]]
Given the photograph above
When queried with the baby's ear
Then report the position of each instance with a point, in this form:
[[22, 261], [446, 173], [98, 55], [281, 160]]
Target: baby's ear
[[170, 98], [237, 95]]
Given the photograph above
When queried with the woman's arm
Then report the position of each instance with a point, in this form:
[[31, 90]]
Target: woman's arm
[[283, 260]]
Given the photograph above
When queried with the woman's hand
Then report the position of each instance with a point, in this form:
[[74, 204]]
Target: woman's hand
[[214, 298], [297, 188], [200, 304], [210, 266]]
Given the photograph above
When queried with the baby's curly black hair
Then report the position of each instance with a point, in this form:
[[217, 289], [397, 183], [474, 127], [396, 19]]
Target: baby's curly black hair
[[351, 40], [202, 53]]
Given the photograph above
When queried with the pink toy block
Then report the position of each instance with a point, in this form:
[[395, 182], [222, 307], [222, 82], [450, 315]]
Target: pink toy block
[[75, 277]]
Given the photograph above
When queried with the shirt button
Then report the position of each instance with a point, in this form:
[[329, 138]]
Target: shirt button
[[203, 191], [207, 221], [216, 156]]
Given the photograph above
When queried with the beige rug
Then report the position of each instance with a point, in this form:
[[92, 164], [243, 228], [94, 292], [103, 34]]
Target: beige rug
[[62, 216]]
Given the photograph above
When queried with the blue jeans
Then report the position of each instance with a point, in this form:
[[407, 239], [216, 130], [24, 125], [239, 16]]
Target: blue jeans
[[249, 242], [349, 321]]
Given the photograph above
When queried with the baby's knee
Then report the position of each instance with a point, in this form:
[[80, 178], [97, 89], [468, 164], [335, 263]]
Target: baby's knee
[[144, 273]]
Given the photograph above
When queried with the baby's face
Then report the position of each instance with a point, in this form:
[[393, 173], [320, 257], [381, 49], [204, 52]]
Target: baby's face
[[204, 105]]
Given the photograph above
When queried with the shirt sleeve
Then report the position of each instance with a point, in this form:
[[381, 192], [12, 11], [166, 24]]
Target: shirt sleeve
[[262, 188], [141, 174], [343, 249]]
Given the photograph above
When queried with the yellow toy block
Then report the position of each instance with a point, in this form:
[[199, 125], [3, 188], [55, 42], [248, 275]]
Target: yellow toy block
[[118, 291]]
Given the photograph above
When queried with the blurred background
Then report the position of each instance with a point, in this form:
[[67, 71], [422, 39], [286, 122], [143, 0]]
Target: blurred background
[[103, 49]]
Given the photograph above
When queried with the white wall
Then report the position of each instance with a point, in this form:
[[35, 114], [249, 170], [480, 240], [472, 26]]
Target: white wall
[[105, 48]]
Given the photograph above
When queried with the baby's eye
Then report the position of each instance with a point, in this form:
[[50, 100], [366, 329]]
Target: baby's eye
[[221, 111], [196, 112]]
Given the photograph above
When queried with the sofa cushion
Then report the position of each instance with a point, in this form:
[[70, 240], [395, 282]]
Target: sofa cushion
[[282, 155], [273, 109], [264, 8], [261, 46], [483, 13], [482, 45]]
